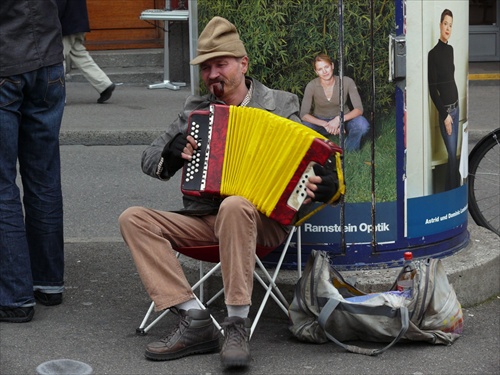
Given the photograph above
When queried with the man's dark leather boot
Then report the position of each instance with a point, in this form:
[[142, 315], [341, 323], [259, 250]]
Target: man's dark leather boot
[[195, 334], [236, 348]]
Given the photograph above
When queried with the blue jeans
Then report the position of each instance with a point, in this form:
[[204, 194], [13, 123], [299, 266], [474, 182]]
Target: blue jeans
[[451, 143], [355, 129], [31, 245]]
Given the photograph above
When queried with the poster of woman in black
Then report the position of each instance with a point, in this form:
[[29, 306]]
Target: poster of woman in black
[[444, 94]]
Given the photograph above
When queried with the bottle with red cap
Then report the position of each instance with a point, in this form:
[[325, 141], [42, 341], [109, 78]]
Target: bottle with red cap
[[405, 280]]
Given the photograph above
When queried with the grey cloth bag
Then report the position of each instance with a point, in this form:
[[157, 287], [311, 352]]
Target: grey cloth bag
[[320, 312]]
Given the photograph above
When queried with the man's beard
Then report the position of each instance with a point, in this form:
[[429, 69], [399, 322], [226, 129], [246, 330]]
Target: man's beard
[[218, 89]]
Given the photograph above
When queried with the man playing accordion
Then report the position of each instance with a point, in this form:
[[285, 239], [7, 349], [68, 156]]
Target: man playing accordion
[[233, 223]]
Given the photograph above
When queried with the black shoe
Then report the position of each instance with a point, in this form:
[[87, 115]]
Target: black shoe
[[235, 351], [195, 334], [16, 314], [106, 94], [48, 299]]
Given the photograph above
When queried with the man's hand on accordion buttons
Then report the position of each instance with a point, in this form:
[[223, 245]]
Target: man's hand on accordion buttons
[[323, 186], [177, 151]]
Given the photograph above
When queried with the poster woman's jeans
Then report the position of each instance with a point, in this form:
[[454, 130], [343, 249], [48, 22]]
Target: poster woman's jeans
[[355, 129], [451, 143], [31, 245]]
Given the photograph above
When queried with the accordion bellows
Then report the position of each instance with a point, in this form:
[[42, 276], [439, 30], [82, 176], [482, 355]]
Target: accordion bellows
[[255, 154]]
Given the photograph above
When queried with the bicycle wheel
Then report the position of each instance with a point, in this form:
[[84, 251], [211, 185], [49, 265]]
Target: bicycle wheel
[[484, 182]]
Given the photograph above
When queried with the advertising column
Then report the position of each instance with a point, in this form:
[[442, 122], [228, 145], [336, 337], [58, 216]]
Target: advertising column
[[413, 194]]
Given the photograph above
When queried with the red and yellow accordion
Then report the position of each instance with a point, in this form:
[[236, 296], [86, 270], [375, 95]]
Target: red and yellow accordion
[[258, 155]]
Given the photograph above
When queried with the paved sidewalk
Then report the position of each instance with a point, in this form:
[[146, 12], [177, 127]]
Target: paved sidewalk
[[104, 300], [135, 114]]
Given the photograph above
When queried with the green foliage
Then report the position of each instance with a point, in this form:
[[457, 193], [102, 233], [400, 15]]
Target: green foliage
[[358, 170], [282, 38]]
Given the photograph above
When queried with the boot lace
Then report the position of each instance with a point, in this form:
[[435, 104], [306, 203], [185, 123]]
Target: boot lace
[[181, 326], [234, 333]]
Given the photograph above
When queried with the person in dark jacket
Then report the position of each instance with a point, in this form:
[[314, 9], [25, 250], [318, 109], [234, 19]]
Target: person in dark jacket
[[75, 23], [232, 223], [444, 94], [32, 95]]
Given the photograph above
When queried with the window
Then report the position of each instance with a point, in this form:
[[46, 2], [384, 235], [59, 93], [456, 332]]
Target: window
[[483, 12]]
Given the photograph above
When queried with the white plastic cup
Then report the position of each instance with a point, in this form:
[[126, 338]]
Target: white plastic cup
[[63, 367]]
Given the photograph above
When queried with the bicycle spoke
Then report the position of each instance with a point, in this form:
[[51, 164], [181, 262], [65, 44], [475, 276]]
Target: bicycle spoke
[[484, 182]]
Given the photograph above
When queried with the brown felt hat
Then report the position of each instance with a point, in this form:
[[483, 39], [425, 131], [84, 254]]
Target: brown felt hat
[[218, 38]]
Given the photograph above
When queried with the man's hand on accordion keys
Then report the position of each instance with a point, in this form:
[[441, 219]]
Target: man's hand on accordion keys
[[323, 186], [177, 151]]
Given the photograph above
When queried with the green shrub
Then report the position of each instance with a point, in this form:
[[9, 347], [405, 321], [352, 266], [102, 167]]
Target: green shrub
[[282, 38]]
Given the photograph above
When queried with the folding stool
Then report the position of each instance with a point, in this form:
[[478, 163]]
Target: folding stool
[[211, 254]]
